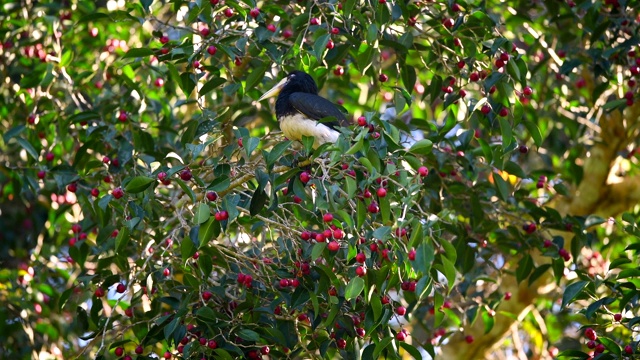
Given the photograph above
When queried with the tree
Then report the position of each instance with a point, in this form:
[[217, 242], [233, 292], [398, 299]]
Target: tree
[[149, 205]]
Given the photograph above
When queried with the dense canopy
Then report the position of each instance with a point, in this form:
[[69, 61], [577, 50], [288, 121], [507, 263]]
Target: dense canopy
[[483, 202]]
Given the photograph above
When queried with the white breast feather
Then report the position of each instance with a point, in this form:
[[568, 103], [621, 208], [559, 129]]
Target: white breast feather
[[296, 126]]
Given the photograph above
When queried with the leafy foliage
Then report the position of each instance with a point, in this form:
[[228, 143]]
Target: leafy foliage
[[148, 207]]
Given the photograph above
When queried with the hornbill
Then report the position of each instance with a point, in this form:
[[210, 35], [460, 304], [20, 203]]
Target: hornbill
[[299, 109]]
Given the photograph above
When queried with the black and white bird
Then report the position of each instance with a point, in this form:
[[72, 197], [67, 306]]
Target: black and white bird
[[299, 109]]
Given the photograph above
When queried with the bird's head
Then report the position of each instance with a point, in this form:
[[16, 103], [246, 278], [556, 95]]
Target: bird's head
[[296, 81]]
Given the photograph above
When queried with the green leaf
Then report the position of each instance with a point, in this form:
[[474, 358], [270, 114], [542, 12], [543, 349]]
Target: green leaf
[[138, 184], [318, 248], [525, 266], [488, 321], [187, 83], [250, 144], [572, 291], [380, 346], [534, 131], [505, 130], [28, 147], [449, 272], [256, 76], [138, 52], [422, 147], [122, 239], [186, 189], [354, 288], [249, 335], [320, 45], [411, 350], [593, 220], [210, 85], [202, 214], [502, 186]]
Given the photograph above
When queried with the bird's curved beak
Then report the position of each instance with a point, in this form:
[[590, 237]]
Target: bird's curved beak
[[274, 90]]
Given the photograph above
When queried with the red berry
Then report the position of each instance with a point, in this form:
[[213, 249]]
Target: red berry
[[401, 336], [95, 192], [599, 349], [305, 177], [99, 292], [265, 350], [382, 192], [42, 174], [468, 339], [167, 355], [287, 33], [474, 76], [361, 271], [207, 295], [507, 296], [328, 217], [139, 349], [338, 234], [361, 257], [617, 317], [129, 312], [503, 112], [271, 28], [527, 91], [49, 156], [333, 246], [164, 39], [314, 21], [162, 176], [330, 44], [448, 23], [341, 343], [159, 82], [254, 13], [121, 288], [335, 31], [373, 208], [212, 196], [166, 272], [401, 310], [205, 32], [455, 7], [523, 149], [628, 349], [362, 121], [228, 12], [185, 175], [117, 193], [383, 78], [338, 71], [360, 332], [212, 50], [119, 351], [461, 64], [412, 254], [485, 109], [73, 187], [547, 243]]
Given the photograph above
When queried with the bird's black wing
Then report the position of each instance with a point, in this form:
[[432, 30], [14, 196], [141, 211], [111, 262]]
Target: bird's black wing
[[316, 107]]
